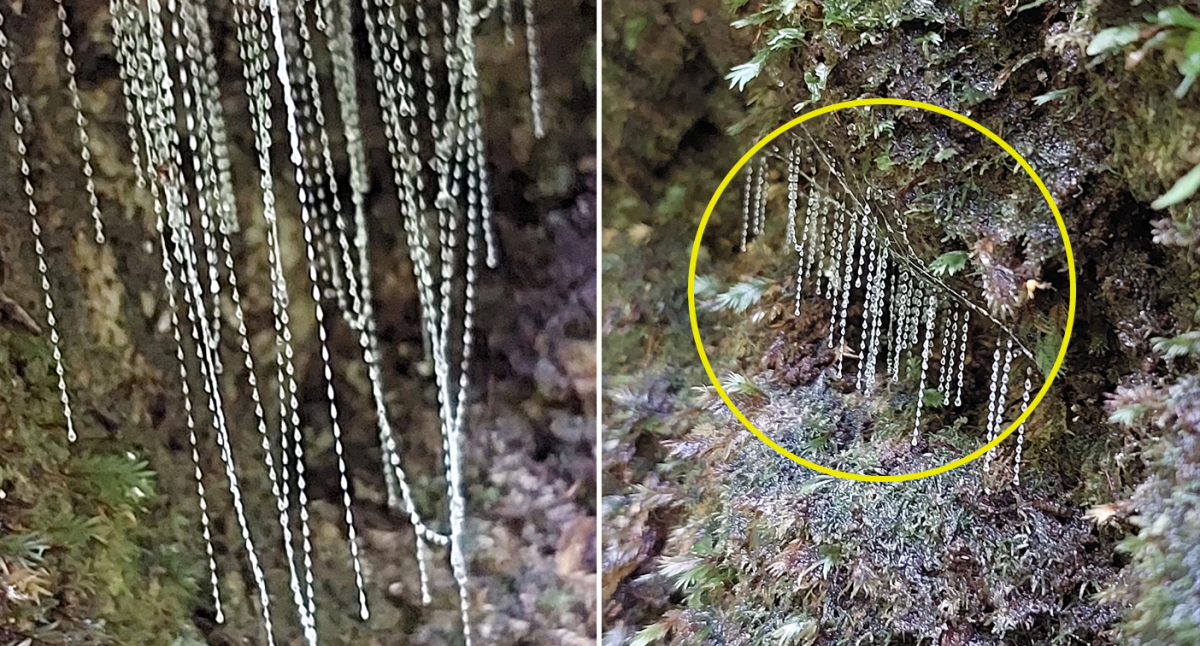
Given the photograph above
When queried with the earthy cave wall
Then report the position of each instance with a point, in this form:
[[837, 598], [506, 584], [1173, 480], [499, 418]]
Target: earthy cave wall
[[100, 539]]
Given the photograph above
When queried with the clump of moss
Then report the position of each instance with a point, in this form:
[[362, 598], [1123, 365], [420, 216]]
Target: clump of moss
[[87, 554], [767, 550], [1162, 414], [1163, 590]]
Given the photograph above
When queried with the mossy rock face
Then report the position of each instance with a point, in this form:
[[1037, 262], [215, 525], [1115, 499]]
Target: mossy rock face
[[704, 509], [85, 534], [769, 543]]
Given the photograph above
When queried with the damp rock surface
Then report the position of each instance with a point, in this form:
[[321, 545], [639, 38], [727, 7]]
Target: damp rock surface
[[719, 539]]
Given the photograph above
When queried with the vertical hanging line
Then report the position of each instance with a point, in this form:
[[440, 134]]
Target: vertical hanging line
[[999, 399], [204, 174], [190, 419], [124, 46], [762, 200], [211, 95], [889, 309], [869, 308], [926, 351], [799, 280], [448, 216], [837, 259], [914, 313], [506, 17], [333, 252], [991, 404], [944, 358], [460, 149], [913, 324], [1005, 375], [390, 70], [811, 239], [205, 349], [1021, 429], [756, 213], [899, 316], [836, 270], [756, 204], [993, 389], [252, 51], [478, 192], [535, 70], [847, 282], [168, 157], [341, 52], [796, 240], [1002, 396], [81, 122], [394, 476], [817, 257], [802, 244], [746, 194], [166, 140], [478, 180], [453, 439], [766, 194], [322, 334], [802, 247], [36, 227], [218, 218], [908, 295], [792, 194], [362, 318], [477, 189], [882, 284], [386, 81], [862, 247], [866, 266], [129, 48], [962, 357]]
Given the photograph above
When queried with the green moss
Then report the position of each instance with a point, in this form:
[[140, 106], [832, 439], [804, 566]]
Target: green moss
[[85, 531]]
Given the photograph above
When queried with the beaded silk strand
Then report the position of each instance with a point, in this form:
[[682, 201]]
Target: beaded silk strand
[[252, 51], [926, 351], [167, 157], [535, 73], [81, 122], [130, 47], [218, 210], [36, 227], [297, 161]]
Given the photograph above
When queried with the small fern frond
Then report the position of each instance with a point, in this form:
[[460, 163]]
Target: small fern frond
[[739, 384], [799, 629], [742, 74], [707, 286], [1128, 415], [741, 296], [1184, 345], [948, 264], [649, 635]]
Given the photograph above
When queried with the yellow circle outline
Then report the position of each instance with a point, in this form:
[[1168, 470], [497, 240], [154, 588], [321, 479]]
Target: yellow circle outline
[[1062, 350]]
